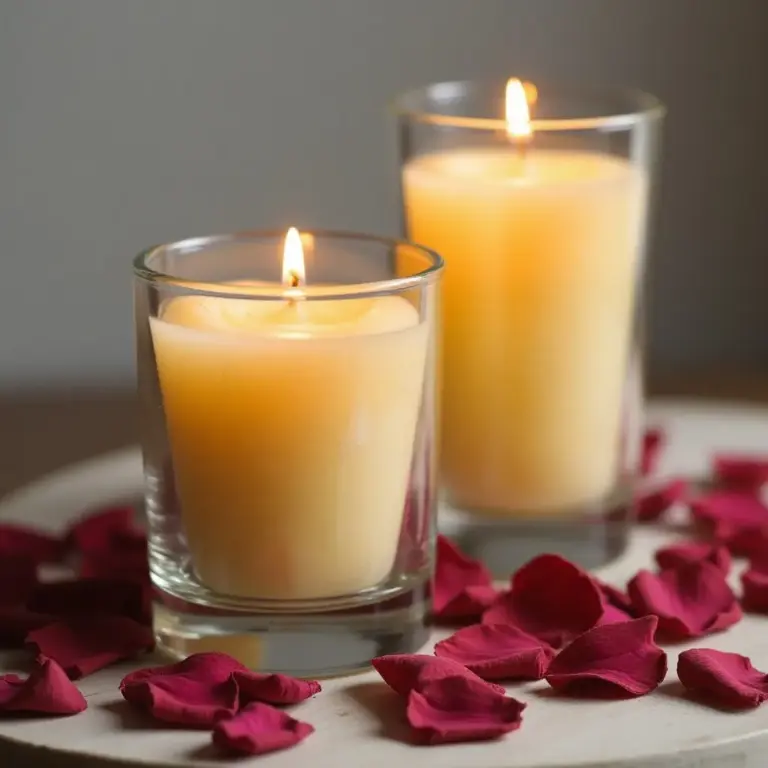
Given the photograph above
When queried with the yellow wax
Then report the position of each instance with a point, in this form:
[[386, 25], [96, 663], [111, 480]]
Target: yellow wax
[[541, 259], [291, 428]]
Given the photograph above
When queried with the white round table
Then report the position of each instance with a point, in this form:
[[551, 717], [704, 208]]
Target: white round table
[[358, 719]]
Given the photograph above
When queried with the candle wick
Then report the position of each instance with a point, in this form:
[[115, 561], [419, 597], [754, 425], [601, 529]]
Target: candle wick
[[294, 280]]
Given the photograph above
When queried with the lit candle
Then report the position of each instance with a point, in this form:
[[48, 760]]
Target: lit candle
[[291, 424], [541, 250]]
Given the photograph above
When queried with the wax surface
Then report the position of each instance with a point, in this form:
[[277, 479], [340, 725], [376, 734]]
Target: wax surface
[[537, 306], [291, 428]]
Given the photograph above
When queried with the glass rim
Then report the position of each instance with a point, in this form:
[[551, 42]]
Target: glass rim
[[179, 284], [648, 107]]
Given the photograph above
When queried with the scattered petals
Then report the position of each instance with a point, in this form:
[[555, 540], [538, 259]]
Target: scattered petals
[[551, 598], [754, 590], [613, 615], [615, 659], [497, 652], [653, 443], [462, 587], [738, 520], [19, 540], [461, 709], [404, 672], [614, 596], [82, 646], [47, 690], [689, 601], [16, 623], [741, 471], [694, 552], [196, 692], [259, 729], [722, 679], [654, 504], [97, 531], [274, 688]]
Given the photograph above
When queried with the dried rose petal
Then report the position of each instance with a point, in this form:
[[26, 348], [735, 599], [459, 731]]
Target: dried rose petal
[[259, 729], [404, 672], [461, 709], [47, 690], [274, 688], [97, 531], [693, 552], [754, 589], [690, 601], [738, 520], [652, 505], [497, 652], [653, 443], [551, 599], [462, 587], [84, 645], [16, 623], [740, 471], [722, 679], [20, 540], [196, 692], [18, 578], [615, 659]]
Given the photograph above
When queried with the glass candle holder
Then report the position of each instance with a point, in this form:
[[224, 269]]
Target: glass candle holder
[[287, 442], [537, 198]]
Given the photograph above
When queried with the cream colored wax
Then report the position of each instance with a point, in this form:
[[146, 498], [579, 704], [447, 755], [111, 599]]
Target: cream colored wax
[[541, 259], [291, 427]]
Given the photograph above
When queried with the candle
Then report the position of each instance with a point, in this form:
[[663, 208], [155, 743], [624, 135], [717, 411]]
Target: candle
[[542, 250], [291, 425]]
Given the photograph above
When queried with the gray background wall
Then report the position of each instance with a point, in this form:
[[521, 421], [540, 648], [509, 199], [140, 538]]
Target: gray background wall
[[127, 123]]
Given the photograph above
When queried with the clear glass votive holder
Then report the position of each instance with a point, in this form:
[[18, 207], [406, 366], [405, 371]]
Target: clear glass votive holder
[[287, 442], [537, 197]]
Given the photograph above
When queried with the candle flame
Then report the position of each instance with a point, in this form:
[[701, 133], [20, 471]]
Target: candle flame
[[518, 114], [293, 259]]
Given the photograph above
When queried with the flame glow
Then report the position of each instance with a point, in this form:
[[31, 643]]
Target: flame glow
[[293, 259], [517, 112]]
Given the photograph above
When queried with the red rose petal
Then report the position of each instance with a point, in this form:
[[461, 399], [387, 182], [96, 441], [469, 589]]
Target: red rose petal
[[551, 599], [693, 552], [723, 679], [652, 505], [259, 729], [738, 520], [614, 596], [653, 444], [497, 652], [613, 615], [404, 672], [47, 690], [612, 659], [741, 471], [273, 689], [82, 646], [96, 531], [18, 578], [196, 692], [689, 601], [16, 623], [461, 709], [462, 587], [754, 590], [21, 541]]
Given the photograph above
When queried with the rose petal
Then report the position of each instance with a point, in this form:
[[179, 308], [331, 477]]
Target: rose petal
[[738, 520], [740, 471], [16, 623], [497, 652], [551, 599], [614, 596], [404, 672], [613, 615], [259, 729], [754, 590], [653, 443], [196, 692], [693, 552], [616, 659], [690, 601], [652, 505], [722, 679], [82, 646], [462, 587], [18, 578], [273, 689], [461, 709], [20, 540], [96, 531], [47, 690]]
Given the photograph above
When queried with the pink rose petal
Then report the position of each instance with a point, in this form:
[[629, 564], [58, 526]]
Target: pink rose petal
[[97, 531], [82, 646], [616, 659], [404, 672], [614, 596], [462, 587], [722, 679], [652, 505], [22, 541], [497, 652], [274, 688], [693, 552], [196, 692], [690, 601], [613, 615], [754, 589], [551, 599], [738, 520], [47, 691], [653, 443], [259, 729], [458, 709], [741, 471]]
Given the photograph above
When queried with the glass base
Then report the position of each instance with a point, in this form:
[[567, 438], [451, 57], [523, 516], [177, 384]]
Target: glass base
[[592, 535], [309, 645]]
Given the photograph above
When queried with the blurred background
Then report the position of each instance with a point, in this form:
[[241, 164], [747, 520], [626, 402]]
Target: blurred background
[[128, 123]]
